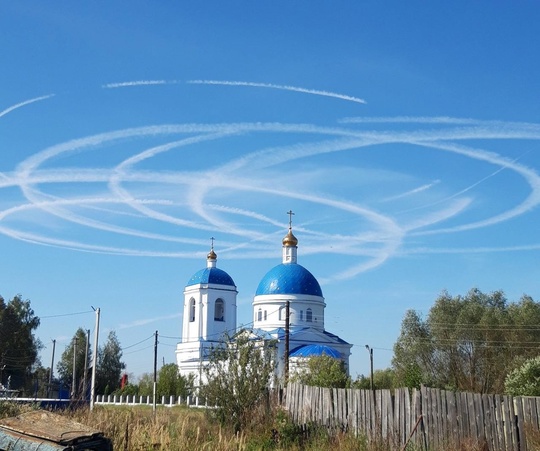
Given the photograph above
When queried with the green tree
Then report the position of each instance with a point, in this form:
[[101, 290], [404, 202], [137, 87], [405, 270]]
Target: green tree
[[65, 365], [323, 371], [413, 352], [466, 342], [19, 348], [171, 382], [525, 380], [146, 384], [382, 379], [109, 365], [239, 374]]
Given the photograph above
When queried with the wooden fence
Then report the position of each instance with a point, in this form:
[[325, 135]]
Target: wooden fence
[[427, 419]]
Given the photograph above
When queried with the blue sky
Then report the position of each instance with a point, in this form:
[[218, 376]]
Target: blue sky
[[404, 136]]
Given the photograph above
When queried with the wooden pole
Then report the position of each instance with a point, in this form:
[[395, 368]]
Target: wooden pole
[[155, 372]]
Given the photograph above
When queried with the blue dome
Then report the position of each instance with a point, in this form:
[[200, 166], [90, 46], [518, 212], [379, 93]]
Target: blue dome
[[211, 275], [289, 278], [315, 350]]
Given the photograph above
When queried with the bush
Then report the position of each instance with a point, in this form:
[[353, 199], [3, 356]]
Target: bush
[[525, 380]]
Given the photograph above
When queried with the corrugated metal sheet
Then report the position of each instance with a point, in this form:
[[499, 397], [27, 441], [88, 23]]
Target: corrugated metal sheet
[[48, 431]]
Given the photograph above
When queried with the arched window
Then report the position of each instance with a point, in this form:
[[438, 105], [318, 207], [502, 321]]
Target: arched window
[[259, 315], [301, 315], [191, 310], [265, 316], [281, 313], [309, 315], [219, 310]]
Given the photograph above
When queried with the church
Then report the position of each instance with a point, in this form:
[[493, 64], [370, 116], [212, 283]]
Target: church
[[210, 314]]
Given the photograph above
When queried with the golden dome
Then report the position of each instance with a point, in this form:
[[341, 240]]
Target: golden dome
[[211, 255], [290, 240]]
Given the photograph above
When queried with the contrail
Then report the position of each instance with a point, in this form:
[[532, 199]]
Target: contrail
[[144, 322], [390, 234], [412, 192], [136, 83], [283, 87], [416, 120], [26, 102]]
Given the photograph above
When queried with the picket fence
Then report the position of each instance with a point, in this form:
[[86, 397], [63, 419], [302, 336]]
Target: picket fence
[[425, 419], [135, 400]]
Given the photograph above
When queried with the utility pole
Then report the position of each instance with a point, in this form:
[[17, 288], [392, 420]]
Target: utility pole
[[155, 373], [94, 361], [287, 333], [85, 376], [74, 375], [370, 350], [51, 370]]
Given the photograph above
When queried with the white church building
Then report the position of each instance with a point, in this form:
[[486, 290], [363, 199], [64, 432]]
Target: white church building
[[210, 314]]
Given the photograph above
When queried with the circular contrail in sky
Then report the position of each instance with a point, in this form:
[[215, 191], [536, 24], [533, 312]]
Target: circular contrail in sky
[[167, 187]]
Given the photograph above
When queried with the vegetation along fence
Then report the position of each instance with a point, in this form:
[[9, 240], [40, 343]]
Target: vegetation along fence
[[429, 419]]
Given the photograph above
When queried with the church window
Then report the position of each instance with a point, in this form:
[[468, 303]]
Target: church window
[[191, 310], [219, 310], [259, 315], [301, 315], [309, 315], [281, 313]]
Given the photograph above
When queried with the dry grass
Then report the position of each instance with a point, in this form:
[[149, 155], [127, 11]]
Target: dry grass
[[173, 429], [180, 428]]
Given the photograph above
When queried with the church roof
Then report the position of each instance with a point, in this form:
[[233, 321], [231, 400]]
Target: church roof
[[289, 278], [314, 350], [211, 275]]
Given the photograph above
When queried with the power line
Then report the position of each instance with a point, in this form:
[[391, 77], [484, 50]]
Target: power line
[[138, 343], [66, 314]]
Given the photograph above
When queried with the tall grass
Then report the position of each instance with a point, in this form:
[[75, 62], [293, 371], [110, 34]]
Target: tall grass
[[181, 428]]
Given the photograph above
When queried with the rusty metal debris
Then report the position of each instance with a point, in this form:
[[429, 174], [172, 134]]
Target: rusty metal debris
[[47, 431]]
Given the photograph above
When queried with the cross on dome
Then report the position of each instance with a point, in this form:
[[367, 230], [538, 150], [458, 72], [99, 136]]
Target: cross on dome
[[290, 213], [290, 240], [211, 255]]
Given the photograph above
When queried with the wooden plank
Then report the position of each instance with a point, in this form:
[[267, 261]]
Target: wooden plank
[[435, 417], [342, 406], [488, 420], [508, 416], [473, 431], [424, 398], [452, 421], [479, 418], [390, 415], [408, 414], [521, 416], [501, 424], [345, 408], [533, 413], [353, 418], [536, 403], [327, 407], [382, 409], [441, 416], [464, 415], [373, 415], [422, 439], [495, 433], [399, 417]]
